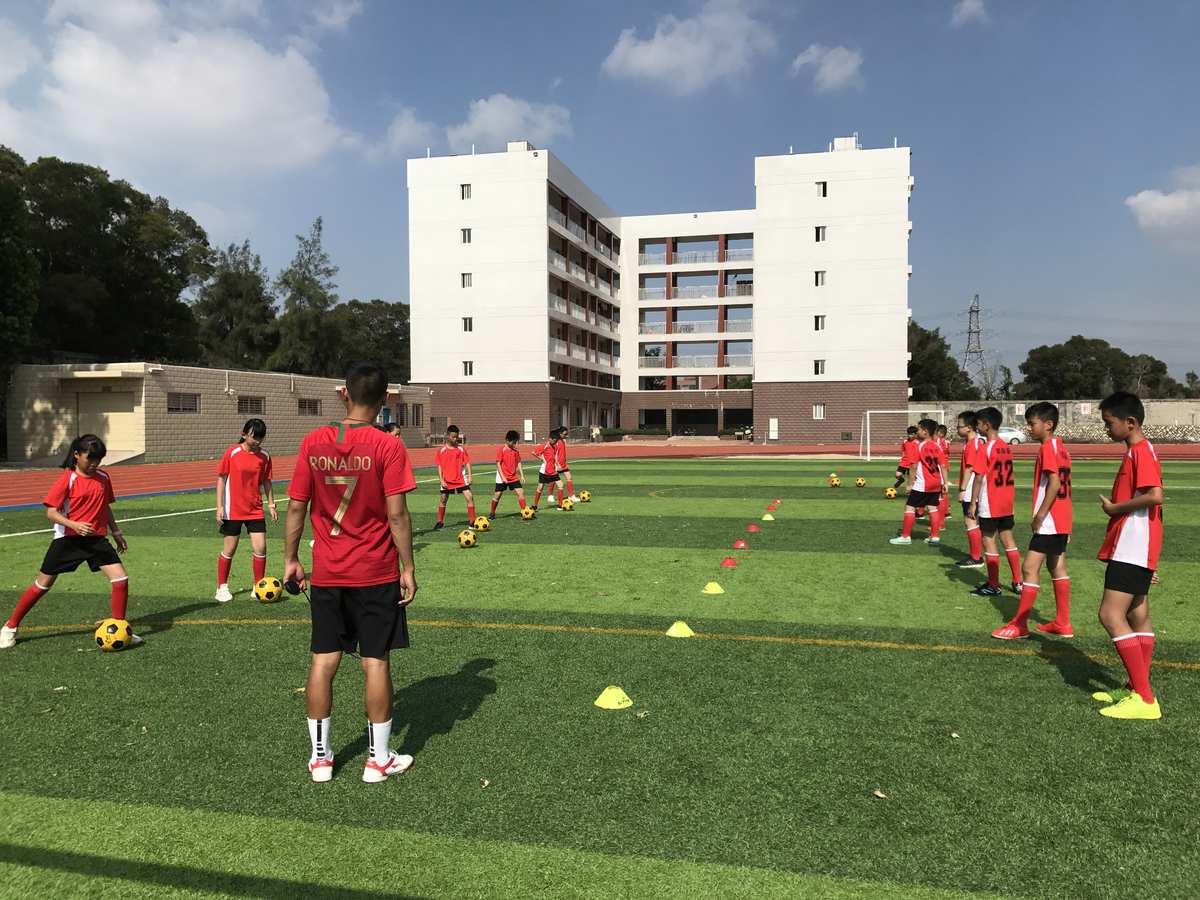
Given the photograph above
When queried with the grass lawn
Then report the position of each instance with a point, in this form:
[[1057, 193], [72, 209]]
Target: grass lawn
[[833, 666]]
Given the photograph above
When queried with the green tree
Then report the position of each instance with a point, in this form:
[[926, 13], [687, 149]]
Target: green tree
[[375, 330], [1193, 383], [1082, 368], [309, 338], [933, 373], [235, 311], [18, 276], [1148, 377]]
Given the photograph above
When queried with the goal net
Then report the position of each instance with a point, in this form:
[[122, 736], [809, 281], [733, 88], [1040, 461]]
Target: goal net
[[886, 426]]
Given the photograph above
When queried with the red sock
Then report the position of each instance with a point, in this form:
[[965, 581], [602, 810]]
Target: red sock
[[935, 522], [993, 568], [441, 514], [974, 543], [1014, 562], [944, 505], [32, 595], [910, 516], [560, 496], [260, 567], [494, 502], [471, 513], [1129, 648], [120, 597], [223, 564], [537, 497], [521, 502], [1146, 639], [1062, 603], [1029, 594], [570, 487]]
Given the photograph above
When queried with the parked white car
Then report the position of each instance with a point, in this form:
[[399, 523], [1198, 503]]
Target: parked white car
[[1011, 435]]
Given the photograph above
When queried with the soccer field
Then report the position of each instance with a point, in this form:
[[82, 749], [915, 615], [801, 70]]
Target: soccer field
[[834, 669]]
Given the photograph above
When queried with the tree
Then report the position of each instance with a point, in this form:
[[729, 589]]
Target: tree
[[18, 276], [309, 338], [933, 374], [1083, 368], [1193, 383], [235, 311], [375, 330], [997, 382]]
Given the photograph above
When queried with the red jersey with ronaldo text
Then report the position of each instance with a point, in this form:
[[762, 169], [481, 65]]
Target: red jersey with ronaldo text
[[1053, 457], [348, 473], [245, 472], [994, 464], [81, 498], [452, 465], [1135, 537]]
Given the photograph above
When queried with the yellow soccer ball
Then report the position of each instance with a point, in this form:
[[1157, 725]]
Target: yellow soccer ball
[[585, 496], [482, 523], [527, 513], [467, 539], [113, 634], [835, 482], [860, 482], [568, 504], [890, 493], [268, 590]]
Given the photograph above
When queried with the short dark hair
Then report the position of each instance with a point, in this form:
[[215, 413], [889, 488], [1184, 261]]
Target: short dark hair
[[1124, 405], [912, 429], [512, 435], [929, 425], [991, 415], [85, 443], [367, 384], [1046, 412], [452, 429], [942, 429], [256, 428], [967, 417]]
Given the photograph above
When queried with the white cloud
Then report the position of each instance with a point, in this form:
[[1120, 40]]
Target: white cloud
[[836, 67], [107, 16], [216, 12], [686, 55], [18, 54], [968, 12], [1171, 216], [406, 133], [494, 121], [335, 15]]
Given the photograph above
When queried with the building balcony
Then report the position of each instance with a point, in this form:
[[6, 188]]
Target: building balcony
[[689, 257], [577, 352], [694, 362], [695, 292], [739, 325], [559, 346], [745, 361], [557, 304], [652, 327], [652, 362], [557, 217], [742, 289], [652, 259], [577, 312], [652, 293], [580, 235], [577, 270], [740, 254], [557, 260], [707, 327], [693, 257]]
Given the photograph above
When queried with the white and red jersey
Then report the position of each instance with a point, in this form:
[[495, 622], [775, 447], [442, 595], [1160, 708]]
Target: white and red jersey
[[908, 451], [560, 455], [966, 473], [508, 464], [81, 498], [944, 444], [548, 454], [452, 465], [1135, 537], [994, 464], [929, 460], [1053, 457], [348, 472], [245, 474]]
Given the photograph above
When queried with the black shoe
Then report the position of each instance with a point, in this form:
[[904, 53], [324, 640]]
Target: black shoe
[[439, 525], [967, 563], [986, 590], [1016, 587]]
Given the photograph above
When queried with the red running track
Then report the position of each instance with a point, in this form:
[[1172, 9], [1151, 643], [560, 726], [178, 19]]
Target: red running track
[[29, 486]]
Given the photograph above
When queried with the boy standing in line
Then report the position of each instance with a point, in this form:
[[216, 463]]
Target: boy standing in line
[[928, 484], [992, 502], [966, 487], [944, 442], [454, 471]]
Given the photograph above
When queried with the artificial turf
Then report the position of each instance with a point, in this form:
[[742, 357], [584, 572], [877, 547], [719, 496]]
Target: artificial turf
[[834, 665]]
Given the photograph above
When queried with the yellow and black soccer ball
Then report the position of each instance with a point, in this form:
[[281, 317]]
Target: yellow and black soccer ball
[[860, 482], [527, 513], [268, 590], [890, 493], [835, 482], [568, 504], [467, 539], [482, 523], [113, 634], [585, 496]]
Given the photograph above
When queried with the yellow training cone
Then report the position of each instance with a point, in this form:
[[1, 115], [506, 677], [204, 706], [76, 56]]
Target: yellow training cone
[[680, 630], [612, 697], [713, 588], [768, 518]]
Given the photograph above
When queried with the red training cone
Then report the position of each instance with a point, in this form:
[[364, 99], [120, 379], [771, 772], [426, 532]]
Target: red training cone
[[740, 544], [753, 529], [777, 500], [729, 563], [771, 507]]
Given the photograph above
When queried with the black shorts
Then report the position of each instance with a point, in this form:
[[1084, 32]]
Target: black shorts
[[1049, 544], [446, 492], [903, 470], [543, 478], [966, 505], [998, 523], [364, 620], [233, 527], [67, 553], [1127, 578], [917, 499], [564, 470], [508, 486]]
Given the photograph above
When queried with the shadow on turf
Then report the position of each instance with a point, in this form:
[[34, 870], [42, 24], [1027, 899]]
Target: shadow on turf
[[151, 623], [1077, 669], [182, 877], [432, 707]]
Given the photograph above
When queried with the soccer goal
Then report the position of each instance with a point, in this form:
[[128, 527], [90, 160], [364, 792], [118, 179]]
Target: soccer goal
[[864, 434]]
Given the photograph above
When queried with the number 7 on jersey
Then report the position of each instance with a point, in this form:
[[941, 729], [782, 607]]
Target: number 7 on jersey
[[350, 481]]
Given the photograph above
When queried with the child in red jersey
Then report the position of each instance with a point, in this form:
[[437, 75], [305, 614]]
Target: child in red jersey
[[1132, 544], [944, 442], [907, 447], [80, 506], [1051, 529], [992, 499], [929, 479], [454, 471], [972, 443], [560, 460], [354, 479], [510, 474], [547, 452], [243, 475]]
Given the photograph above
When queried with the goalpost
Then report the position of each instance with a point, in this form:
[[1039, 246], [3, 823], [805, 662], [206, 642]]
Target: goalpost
[[864, 434]]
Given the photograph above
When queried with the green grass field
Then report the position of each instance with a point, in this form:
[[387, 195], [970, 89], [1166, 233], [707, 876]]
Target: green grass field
[[834, 666]]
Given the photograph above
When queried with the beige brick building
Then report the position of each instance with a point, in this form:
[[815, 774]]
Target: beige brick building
[[147, 412]]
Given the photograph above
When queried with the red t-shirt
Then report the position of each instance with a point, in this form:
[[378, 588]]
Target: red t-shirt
[[1135, 537], [81, 498], [994, 464], [560, 455], [1053, 457], [452, 465], [908, 451], [508, 462], [928, 458], [549, 456], [245, 472], [348, 473], [966, 474]]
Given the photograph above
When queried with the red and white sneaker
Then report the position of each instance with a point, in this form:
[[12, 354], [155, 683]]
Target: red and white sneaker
[[397, 764], [1065, 631], [321, 769], [1010, 632]]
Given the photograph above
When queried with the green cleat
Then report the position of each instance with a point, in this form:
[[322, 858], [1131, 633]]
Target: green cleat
[[1133, 706]]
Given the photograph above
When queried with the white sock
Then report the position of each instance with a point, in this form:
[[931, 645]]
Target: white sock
[[318, 734], [379, 735]]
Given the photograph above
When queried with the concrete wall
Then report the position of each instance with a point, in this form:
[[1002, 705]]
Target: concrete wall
[[1076, 412]]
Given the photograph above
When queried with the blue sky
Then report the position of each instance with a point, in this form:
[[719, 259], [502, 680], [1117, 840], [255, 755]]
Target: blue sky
[[1056, 146]]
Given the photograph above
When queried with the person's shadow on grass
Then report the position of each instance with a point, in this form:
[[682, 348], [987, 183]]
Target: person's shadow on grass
[[151, 623], [1075, 667]]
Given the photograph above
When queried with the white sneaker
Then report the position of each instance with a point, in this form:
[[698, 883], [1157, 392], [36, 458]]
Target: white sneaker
[[223, 594], [573, 499], [397, 764], [136, 640], [8, 637], [321, 769]]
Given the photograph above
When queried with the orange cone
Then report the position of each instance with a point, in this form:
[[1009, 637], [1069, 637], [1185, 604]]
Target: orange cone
[[740, 544], [753, 529], [729, 563]]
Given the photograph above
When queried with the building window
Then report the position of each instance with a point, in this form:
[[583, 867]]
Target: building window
[[252, 406], [818, 367], [464, 191], [818, 233], [822, 188], [418, 415], [468, 325], [466, 279], [468, 367], [818, 323], [183, 403], [307, 407], [402, 414], [818, 410], [819, 278], [466, 235]]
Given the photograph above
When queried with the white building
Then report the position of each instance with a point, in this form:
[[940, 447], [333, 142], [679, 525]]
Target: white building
[[534, 304]]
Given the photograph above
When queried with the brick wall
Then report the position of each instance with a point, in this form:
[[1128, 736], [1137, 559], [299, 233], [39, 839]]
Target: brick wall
[[633, 403], [484, 411], [845, 402]]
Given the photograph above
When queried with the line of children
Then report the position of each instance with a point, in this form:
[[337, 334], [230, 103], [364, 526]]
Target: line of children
[[928, 467], [243, 476]]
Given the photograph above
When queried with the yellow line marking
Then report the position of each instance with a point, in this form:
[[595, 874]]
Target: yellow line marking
[[546, 628]]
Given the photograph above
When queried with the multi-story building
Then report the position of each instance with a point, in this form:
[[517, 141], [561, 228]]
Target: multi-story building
[[533, 304]]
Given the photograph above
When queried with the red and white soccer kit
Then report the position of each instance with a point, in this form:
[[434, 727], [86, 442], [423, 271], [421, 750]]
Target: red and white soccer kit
[[245, 473], [508, 463], [1053, 457], [928, 458], [1135, 537], [548, 454], [452, 465], [908, 451], [81, 498], [994, 464], [347, 473], [966, 470]]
